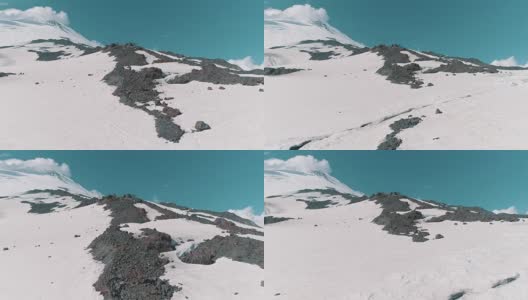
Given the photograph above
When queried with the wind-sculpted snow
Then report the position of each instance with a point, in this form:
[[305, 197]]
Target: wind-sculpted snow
[[390, 246]]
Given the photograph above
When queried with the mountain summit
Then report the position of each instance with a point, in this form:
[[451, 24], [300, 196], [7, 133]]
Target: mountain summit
[[20, 29], [300, 23]]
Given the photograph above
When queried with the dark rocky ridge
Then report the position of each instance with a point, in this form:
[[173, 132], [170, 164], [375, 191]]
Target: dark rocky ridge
[[135, 89], [234, 247], [273, 220], [43, 208], [5, 74], [335, 43], [396, 223], [212, 74], [334, 192], [397, 218], [315, 55], [49, 55], [225, 215], [60, 193], [133, 266], [392, 142], [279, 71], [395, 73], [67, 42]]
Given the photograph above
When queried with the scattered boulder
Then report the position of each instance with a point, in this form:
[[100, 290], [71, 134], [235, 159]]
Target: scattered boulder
[[438, 111], [201, 126], [171, 112]]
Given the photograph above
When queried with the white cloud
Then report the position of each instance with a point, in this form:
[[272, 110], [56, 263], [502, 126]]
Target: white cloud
[[35, 166], [510, 210], [249, 213], [36, 14], [300, 163], [302, 13], [246, 63], [508, 62]]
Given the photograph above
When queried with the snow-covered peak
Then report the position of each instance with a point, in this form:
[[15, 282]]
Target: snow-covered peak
[[285, 182], [300, 23], [15, 32], [19, 179]]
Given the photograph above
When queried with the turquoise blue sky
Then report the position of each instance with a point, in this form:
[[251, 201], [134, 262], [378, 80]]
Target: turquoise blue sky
[[485, 29], [216, 180], [208, 28], [488, 179]]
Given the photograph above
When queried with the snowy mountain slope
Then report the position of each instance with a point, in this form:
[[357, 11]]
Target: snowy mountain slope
[[390, 246], [20, 32], [280, 31], [69, 245], [120, 96], [345, 96]]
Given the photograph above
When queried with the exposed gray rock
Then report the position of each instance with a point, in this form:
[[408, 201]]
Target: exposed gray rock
[[67, 42], [171, 112], [279, 71], [123, 209], [237, 248], [401, 74], [457, 295], [474, 214], [300, 145], [314, 204], [315, 55], [136, 88], [456, 66], [234, 229], [505, 281], [43, 208], [201, 126], [48, 55], [333, 192], [334, 43], [212, 74], [126, 54], [5, 74], [392, 142], [272, 220], [133, 267], [402, 224]]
